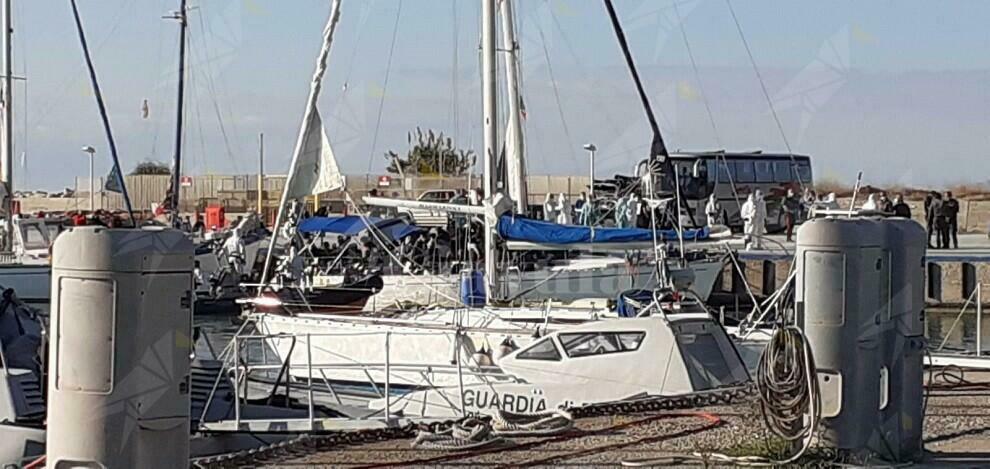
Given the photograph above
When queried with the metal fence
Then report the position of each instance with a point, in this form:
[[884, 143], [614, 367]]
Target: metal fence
[[240, 192]]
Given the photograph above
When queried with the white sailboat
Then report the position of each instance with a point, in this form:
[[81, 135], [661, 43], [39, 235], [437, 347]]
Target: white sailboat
[[24, 260], [431, 349]]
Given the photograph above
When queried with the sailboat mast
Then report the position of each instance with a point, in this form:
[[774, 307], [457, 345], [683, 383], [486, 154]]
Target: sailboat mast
[[177, 162], [489, 90], [514, 157], [8, 126]]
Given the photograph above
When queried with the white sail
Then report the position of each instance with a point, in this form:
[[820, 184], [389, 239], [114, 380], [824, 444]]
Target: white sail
[[316, 170], [312, 144]]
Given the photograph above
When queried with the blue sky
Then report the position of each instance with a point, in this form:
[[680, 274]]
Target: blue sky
[[897, 89]]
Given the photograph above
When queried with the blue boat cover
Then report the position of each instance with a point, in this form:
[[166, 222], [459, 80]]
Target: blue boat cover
[[351, 225], [516, 228]]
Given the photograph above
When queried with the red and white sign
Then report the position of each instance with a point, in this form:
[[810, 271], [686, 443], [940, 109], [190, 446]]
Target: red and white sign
[[384, 181], [185, 181]]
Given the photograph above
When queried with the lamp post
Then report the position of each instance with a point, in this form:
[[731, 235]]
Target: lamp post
[[92, 198], [591, 151]]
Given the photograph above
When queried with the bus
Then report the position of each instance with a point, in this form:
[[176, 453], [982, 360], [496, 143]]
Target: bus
[[732, 175]]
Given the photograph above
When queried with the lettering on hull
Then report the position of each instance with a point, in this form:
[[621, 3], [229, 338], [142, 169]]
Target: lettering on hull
[[484, 399]]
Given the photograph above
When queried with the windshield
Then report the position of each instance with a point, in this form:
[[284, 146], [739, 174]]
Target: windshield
[[33, 237]]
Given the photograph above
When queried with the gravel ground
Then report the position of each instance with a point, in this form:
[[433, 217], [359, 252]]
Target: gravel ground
[[957, 434]]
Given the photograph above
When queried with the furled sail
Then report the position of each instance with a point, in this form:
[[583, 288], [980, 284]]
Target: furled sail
[[518, 228], [316, 170]]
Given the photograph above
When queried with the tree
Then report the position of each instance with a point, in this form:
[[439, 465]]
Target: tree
[[151, 167], [429, 154]]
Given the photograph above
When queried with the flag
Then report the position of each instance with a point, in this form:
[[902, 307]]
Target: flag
[[114, 183], [315, 170]]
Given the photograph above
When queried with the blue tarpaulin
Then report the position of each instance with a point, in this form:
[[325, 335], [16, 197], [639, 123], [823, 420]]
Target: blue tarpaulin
[[515, 228], [351, 225]]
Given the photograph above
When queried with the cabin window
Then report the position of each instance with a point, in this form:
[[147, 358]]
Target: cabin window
[[764, 171], [542, 350], [707, 365], [33, 237], [782, 172], [599, 343], [745, 172]]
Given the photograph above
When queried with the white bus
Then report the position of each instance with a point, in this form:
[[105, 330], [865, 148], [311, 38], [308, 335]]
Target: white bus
[[729, 175]]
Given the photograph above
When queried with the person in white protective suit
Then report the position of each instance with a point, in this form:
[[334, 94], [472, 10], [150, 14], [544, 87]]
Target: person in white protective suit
[[587, 212], [754, 215], [830, 202], [632, 211], [233, 248], [621, 216], [871, 203], [549, 209], [563, 210], [712, 210]]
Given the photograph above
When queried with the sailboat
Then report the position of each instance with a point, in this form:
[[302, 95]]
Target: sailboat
[[432, 348], [26, 240]]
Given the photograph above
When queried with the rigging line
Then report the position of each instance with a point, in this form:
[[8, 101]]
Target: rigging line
[[339, 104], [455, 66], [209, 74], [766, 94], [388, 73], [156, 96], [212, 91], [556, 93], [708, 108], [599, 103], [63, 87], [104, 117]]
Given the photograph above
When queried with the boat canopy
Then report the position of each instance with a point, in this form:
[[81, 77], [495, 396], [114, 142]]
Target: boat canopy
[[350, 225], [516, 228]]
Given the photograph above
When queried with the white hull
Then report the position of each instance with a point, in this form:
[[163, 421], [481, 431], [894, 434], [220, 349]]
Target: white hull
[[424, 340], [581, 279], [666, 356], [603, 278]]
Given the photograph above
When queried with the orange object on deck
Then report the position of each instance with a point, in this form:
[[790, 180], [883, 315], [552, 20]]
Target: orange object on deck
[[215, 217]]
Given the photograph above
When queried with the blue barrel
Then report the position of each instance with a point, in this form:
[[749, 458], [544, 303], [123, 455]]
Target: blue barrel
[[473, 288]]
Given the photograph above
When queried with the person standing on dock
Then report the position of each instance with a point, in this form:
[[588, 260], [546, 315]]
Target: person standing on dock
[[931, 213], [792, 208], [901, 209], [950, 213]]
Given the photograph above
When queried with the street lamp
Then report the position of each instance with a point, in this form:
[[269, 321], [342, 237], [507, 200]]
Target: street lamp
[[92, 201], [591, 150]]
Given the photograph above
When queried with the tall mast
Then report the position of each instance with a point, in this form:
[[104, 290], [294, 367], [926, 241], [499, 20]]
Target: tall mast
[[8, 126], [489, 90], [177, 162], [514, 158]]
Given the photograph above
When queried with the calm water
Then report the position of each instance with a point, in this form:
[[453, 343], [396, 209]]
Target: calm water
[[939, 325]]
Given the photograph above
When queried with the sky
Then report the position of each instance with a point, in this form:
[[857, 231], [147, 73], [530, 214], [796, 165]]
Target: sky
[[896, 89]]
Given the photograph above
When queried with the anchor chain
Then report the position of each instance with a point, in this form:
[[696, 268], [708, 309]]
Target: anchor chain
[[308, 444]]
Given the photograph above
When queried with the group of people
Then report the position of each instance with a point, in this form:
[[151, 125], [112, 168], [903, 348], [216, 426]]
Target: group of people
[[942, 220], [559, 210]]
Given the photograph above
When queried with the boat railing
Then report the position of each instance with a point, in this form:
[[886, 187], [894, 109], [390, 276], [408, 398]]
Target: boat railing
[[975, 298], [240, 365], [8, 257]]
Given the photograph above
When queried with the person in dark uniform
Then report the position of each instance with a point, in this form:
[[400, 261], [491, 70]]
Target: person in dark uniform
[[901, 209], [950, 211], [930, 216]]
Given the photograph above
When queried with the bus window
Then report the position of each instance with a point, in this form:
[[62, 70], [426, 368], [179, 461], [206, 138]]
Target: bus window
[[782, 172], [804, 172], [721, 170], [764, 171], [745, 172]]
